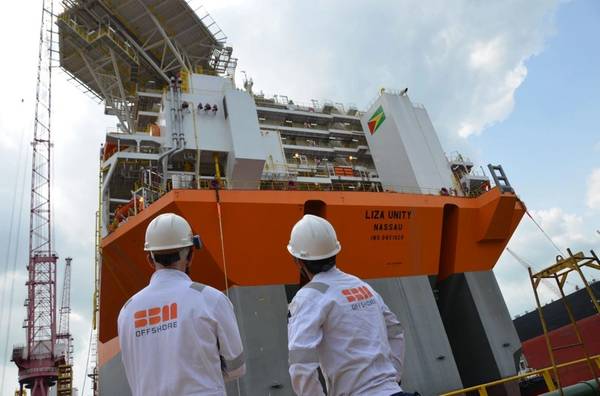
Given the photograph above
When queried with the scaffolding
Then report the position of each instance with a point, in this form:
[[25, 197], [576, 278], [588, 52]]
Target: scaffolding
[[559, 272], [64, 385]]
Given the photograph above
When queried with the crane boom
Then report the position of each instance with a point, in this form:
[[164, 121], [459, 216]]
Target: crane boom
[[64, 333], [64, 385]]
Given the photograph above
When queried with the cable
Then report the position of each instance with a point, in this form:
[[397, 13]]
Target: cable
[[544, 232], [17, 242], [12, 213], [222, 245], [224, 262], [3, 285], [87, 364], [525, 264], [14, 249]]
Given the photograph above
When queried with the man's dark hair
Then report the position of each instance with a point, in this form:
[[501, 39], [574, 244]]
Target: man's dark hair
[[317, 266], [166, 259]]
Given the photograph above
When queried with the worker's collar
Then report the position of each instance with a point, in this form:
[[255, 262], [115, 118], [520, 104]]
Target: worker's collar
[[324, 275], [167, 274]]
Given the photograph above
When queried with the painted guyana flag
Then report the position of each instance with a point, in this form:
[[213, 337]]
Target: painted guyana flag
[[376, 120]]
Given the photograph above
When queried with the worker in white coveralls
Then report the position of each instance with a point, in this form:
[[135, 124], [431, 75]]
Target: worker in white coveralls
[[338, 322], [178, 337]]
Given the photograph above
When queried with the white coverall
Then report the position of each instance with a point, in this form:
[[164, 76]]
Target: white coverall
[[338, 322], [178, 338]]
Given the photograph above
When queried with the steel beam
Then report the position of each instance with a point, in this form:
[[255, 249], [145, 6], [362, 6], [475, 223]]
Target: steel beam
[[121, 90], [160, 29]]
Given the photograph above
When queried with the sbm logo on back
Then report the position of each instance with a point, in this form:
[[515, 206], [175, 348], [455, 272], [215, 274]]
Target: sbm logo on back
[[155, 320], [361, 297]]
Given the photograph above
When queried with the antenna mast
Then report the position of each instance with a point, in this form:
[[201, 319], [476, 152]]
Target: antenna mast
[[37, 360]]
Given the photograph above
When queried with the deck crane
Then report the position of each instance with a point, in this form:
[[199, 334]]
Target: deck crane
[[64, 386]]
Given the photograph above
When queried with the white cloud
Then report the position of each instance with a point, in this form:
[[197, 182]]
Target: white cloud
[[463, 60], [487, 54], [593, 190]]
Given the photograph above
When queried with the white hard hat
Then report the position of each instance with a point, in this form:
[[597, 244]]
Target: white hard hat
[[168, 231], [313, 238]]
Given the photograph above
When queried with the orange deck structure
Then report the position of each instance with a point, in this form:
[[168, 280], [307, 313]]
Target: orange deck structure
[[245, 234]]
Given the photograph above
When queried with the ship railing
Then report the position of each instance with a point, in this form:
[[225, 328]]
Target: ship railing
[[344, 126], [393, 91], [455, 156], [152, 191], [301, 125], [480, 172], [103, 31], [208, 21], [332, 184], [314, 106], [307, 143], [546, 373], [146, 195]]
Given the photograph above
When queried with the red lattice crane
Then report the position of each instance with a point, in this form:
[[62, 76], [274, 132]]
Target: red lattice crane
[[38, 359], [64, 385], [64, 334]]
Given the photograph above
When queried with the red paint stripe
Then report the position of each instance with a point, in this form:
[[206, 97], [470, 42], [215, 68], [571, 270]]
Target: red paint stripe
[[141, 323], [154, 311], [165, 313]]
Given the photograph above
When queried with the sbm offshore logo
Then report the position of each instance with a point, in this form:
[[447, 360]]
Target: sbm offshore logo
[[360, 297], [155, 320], [376, 120]]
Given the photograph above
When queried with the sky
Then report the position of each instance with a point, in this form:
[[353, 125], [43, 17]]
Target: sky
[[505, 82]]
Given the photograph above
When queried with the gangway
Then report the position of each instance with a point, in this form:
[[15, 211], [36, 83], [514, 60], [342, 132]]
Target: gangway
[[559, 272]]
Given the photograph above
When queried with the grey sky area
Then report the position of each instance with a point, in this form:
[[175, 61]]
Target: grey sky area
[[464, 60]]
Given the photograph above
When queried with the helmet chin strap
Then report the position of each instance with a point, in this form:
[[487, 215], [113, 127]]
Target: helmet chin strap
[[303, 269], [188, 257]]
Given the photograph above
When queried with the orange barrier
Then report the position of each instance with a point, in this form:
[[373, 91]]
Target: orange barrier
[[382, 235], [343, 171]]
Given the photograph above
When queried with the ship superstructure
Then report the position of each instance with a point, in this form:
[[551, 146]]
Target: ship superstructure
[[242, 167], [203, 132]]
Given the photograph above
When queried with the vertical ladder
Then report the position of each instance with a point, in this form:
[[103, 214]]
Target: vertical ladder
[[559, 272], [500, 178]]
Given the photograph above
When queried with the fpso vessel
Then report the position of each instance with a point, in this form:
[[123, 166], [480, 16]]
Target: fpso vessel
[[423, 228]]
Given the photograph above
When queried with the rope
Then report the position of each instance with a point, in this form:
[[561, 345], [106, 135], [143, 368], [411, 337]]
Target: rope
[[218, 205], [222, 244], [9, 244], [224, 262], [546, 282], [14, 249], [544, 232], [87, 364]]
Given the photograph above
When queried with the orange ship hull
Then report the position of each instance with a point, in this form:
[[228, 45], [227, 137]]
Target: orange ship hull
[[245, 234]]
